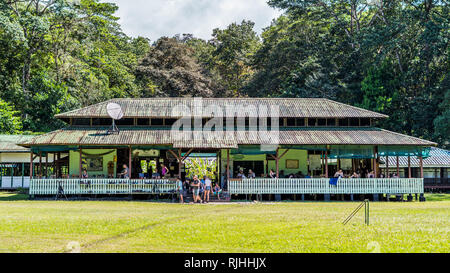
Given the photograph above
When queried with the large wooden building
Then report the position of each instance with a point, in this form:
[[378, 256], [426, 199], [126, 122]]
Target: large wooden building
[[314, 138]]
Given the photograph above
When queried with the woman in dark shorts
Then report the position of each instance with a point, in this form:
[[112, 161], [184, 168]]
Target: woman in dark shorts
[[196, 189]]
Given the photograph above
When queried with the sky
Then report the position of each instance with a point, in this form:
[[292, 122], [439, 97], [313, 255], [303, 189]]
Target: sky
[[155, 18]]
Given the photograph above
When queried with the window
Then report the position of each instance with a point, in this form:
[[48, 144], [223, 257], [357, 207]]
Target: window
[[143, 121], [170, 121], [321, 122], [343, 122], [354, 122], [157, 121], [311, 122], [331, 122], [281, 122], [101, 121], [364, 122], [81, 121], [300, 121], [125, 121], [290, 122]]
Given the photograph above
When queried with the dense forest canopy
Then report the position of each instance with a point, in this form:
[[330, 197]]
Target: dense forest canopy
[[388, 56]]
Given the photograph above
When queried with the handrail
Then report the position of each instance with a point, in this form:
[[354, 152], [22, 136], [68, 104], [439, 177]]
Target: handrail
[[364, 203]]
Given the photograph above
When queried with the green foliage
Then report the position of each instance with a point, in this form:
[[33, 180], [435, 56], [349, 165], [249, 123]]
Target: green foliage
[[171, 69], [441, 122], [201, 167], [390, 58], [234, 49], [386, 56], [49, 98], [10, 122]]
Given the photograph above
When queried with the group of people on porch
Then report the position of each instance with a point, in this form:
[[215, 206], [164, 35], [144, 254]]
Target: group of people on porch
[[340, 173], [201, 189]]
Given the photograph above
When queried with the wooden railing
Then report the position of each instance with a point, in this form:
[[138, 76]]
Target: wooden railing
[[101, 186], [323, 186]]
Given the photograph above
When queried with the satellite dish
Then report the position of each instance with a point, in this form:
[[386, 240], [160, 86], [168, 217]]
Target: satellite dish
[[114, 111]]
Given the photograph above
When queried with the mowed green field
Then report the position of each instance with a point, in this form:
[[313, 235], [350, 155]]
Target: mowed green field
[[123, 226]]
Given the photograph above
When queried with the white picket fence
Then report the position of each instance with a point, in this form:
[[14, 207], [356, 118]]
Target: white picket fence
[[101, 186], [14, 182], [323, 186]]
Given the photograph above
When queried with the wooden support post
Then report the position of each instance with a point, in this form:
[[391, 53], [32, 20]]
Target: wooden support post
[[375, 156], [81, 163], [326, 163], [398, 168], [58, 171], [54, 165], [31, 165], [421, 166], [409, 166], [277, 164], [180, 163], [23, 172], [321, 162], [46, 164], [129, 162], [40, 164], [228, 165], [387, 166]]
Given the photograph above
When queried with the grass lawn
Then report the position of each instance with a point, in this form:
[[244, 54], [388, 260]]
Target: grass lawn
[[122, 226]]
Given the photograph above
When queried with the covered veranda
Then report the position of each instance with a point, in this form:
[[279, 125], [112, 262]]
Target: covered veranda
[[320, 162]]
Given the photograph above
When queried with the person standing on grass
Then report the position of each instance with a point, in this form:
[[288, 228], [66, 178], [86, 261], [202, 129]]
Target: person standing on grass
[[196, 189], [180, 190], [207, 189]]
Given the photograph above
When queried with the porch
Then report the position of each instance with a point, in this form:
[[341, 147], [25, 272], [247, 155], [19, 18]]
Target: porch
[[235, 186]]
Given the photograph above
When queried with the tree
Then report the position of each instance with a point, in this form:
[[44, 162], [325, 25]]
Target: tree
[[387, 56], [442, 122], [10, 122], [234, 49], [170, 69], [49, 98]]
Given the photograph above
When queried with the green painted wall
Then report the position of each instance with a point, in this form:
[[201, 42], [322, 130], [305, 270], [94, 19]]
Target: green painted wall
[[74, 162], [301, 155]]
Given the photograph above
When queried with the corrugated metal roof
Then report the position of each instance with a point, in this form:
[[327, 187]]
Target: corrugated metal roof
[[306, 136], [8, 143], [163, 107], [438, 158]]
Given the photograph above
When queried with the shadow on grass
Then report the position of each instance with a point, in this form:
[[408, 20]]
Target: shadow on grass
[[13, 196], [437, 196]]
